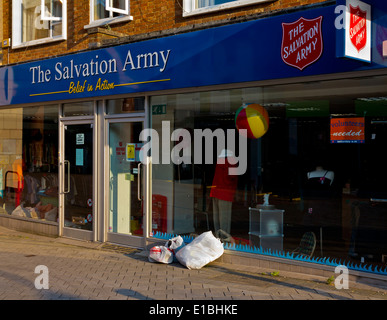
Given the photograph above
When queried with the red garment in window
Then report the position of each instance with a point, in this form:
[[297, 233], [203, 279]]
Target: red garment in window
[[224, 185]]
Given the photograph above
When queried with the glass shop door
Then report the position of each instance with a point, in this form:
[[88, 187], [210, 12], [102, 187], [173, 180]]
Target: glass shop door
[[77, 182], [125, 178]]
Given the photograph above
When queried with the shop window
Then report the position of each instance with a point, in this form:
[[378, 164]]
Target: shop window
[[317, 167], [125, 105], [38, 21], [78, 109], [103, 12], [193, 7], [29, 163]]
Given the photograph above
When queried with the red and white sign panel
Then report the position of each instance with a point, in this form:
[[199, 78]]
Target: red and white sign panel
[[358, 30], [347, 130], [302, 42]]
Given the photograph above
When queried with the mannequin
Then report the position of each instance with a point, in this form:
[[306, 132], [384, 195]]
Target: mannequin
[[223, 191], [317, 194], [321, 175]]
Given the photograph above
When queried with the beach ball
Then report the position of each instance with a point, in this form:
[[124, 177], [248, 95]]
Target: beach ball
[[254, 118]]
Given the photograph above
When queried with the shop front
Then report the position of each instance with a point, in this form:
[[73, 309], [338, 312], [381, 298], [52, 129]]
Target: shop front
[[270, 133]]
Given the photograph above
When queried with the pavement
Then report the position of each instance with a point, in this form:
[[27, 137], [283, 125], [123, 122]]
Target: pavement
[[77, 270]]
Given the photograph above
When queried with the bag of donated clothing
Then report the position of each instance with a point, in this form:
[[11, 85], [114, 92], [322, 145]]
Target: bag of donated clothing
[[166, 254], [202, 250], [160, 254]]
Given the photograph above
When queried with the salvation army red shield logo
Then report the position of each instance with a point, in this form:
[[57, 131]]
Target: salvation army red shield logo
[[358, 27], [302, 42]]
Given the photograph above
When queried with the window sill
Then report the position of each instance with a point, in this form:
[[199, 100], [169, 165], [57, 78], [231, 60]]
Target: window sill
[[108, 21], [224, 6], [44, 221], [37, 42]]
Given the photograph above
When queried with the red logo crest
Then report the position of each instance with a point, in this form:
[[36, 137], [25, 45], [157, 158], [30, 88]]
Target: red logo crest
[[302, 42], [358, 27]]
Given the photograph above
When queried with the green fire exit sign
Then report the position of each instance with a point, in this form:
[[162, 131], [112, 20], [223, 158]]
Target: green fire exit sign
[[159, 109]]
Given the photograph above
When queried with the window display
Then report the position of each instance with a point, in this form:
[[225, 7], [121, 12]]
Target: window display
[[222, 193], [29, 163], [332, 189]]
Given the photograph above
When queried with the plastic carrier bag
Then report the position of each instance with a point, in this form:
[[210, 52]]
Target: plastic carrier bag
[[160, 254], [202, 250], [166, 254], [174, 245]]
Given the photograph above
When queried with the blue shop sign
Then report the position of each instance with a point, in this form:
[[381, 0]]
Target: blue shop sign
[[292, 45]]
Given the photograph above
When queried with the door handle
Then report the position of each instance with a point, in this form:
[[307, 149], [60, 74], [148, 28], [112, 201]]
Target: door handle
[[67, 190], [111, 193], [139, 182]]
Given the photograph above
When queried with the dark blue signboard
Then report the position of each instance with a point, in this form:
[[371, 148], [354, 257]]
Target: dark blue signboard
[[293, 45]]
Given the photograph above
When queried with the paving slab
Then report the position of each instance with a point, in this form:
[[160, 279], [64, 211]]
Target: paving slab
[[89, 271]]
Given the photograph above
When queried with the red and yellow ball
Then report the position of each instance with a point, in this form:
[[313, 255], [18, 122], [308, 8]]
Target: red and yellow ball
[[254, 118]]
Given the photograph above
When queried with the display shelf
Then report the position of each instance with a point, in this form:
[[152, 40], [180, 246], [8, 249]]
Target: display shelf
[[266, 228]]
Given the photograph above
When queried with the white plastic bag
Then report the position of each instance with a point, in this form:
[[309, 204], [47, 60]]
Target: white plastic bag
[[202, 250], [166, 254], [174, 245], [160, 254]]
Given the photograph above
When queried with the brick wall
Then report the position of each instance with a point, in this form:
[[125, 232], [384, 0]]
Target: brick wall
[[1, 32], [148, 16]]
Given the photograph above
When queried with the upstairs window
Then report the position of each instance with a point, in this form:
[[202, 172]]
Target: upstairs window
[[194, 7], [104, 12], [38, 21], [207, 3]]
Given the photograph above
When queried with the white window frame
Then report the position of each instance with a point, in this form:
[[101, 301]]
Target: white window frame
[[17, 25], [190, 9], [49, 16], [124, 15], [110, 8]]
